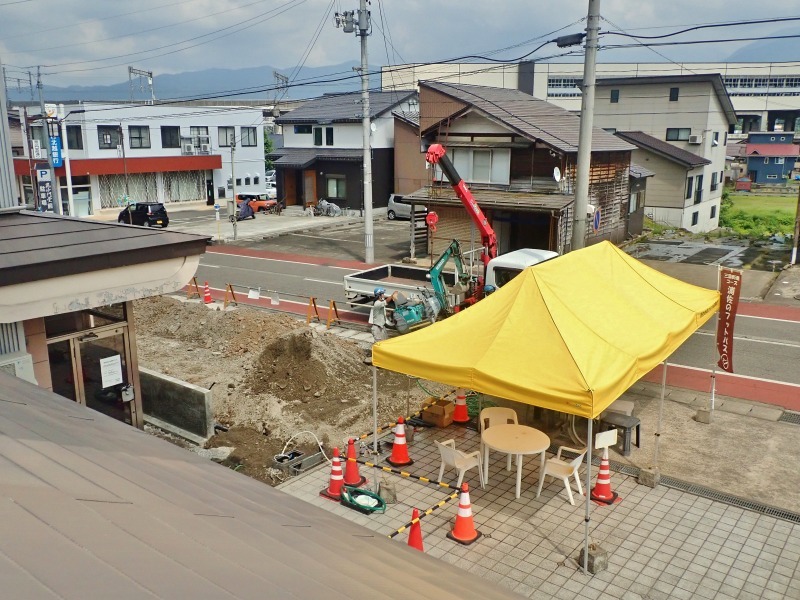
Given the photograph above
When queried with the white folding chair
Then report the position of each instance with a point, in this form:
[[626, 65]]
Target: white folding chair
[[496, 415], [563, 470], [459, 460]]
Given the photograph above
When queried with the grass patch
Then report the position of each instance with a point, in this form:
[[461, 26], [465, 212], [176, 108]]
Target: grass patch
[[764, 205], [758, 216]]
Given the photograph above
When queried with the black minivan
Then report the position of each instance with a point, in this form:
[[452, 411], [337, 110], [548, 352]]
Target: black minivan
[[149, 214]]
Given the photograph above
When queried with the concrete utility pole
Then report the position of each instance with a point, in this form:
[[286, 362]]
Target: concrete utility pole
[[585, 137], [793, 261], [232, 201], [346, 21], [46, 130], [8, 196]]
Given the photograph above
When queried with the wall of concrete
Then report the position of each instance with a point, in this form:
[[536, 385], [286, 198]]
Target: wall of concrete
[[176, 406]]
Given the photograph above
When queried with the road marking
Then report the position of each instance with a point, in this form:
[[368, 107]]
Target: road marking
[[289, 262], [316, 237], [745, 338], [324, 281], [735, 375], [741, 316], [202, 264]]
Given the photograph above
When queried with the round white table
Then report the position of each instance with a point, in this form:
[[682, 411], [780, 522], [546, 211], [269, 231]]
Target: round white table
[[515, 440]]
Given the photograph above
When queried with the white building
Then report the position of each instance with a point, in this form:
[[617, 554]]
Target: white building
[[146, 153]]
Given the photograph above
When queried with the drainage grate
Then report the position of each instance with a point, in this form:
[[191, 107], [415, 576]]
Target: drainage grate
[[704, 492], [790, 417]]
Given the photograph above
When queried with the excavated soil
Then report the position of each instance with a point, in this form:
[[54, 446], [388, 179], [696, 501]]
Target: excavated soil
[[271, 377]]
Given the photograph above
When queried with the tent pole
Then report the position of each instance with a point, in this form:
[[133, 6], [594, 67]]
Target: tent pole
[[375, 423], [588, 496], [660, 415]]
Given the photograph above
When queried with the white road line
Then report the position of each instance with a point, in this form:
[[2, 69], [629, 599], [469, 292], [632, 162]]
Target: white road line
[[741, 316], [735, 375], [290, 262], [316, 237], [324, 281], [745, 338], [210, 266]]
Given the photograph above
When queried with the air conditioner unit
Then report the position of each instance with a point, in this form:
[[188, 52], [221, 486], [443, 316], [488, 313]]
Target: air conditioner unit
[[695, 139], [188, 148], [18, 364], [205, 148]]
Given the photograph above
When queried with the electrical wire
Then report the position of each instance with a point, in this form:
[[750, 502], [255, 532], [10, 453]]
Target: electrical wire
[[707, 41], [651, 49], [702, 26]]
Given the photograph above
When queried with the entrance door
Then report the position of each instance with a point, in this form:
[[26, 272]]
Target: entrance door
[[310, 187], [106, 373]]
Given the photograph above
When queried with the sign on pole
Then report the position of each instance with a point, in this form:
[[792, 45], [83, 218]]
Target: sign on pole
[[596, 220], [730, 282], [55, 151]]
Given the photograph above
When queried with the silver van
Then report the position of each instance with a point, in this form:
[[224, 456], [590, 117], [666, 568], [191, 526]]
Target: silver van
[[396, 209]]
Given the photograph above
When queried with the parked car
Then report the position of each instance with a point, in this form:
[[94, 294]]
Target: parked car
[[272, 190], [148, 214], [259, 202], [269, 177], [398, 210]]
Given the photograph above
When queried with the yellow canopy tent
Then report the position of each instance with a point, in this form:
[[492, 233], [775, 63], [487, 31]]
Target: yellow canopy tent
[[571, 334]]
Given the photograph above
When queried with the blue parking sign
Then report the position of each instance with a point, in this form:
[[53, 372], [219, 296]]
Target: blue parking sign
[[55, 151]]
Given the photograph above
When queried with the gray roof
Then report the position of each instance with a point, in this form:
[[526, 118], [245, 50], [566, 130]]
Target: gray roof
[[500, 199], [93, 508], [36, 246], [640, 172], [715, 79], [663, 149], [343, 108], [300, 158], [530, 117], [410, 117]]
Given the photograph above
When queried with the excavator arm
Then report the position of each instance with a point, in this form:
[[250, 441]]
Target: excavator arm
[[437, 155]]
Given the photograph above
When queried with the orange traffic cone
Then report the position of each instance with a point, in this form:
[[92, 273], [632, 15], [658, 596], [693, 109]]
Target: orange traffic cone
[[415, 533], [464, 531], [334, 491], [207, 295], [601, 492], [399, 457], [351, 475], [460, 415]]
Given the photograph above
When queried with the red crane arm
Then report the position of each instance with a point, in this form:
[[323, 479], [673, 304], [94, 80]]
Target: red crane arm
[[437, 155]]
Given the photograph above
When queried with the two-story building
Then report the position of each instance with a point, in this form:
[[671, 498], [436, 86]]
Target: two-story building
[[771, 156], [323, 145], [679, 124], [518, 155], [142, 153]]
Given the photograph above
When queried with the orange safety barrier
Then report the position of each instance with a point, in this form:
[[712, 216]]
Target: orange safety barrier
[[332, 310], [230, 296], [193, 289], [313, 311]]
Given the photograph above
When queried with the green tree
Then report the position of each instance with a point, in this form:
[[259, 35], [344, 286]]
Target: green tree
[[268, 148]]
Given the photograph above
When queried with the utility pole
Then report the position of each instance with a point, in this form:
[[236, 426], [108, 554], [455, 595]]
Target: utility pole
[[346, 20], [46, 130], [7, 187], [585, 136], [793, 261], [232, 201]]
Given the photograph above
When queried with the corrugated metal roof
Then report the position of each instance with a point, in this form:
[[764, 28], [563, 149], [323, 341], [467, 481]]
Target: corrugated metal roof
[[772, 150], [407, 116], [343, 108], [37, 246], [663, 149], [93, 508], [640, 172], [300, 158], [530, 117], [715, 79], [492, 199]]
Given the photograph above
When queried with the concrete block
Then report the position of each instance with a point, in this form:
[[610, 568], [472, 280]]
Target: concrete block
[[176, 403], [768, 413], [737, 408], [598, 559], [649, 477], [703, 416]]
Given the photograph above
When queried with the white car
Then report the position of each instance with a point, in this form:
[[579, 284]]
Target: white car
[[272, 191], [396, 209], [269, 176]]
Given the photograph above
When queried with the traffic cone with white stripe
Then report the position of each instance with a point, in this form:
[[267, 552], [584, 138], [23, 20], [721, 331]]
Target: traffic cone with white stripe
[[415, 533], [464, 531], [399, 457], [461, 415], [334, 491], [207, 299], [601, 492], [351, 474]]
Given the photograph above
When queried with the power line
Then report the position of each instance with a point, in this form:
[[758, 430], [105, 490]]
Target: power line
[[694, 42], [702, 26]]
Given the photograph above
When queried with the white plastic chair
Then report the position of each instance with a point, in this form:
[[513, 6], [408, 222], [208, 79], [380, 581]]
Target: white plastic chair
[[496, 415], [459, 460], [563, 470]]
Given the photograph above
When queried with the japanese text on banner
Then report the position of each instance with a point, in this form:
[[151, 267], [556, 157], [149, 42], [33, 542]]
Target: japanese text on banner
[[730, 284]]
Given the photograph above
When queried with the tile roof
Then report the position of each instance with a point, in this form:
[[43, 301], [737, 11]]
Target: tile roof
[[343, 108], [300, 158], [663, 149], [640, 172], [531, 117], [492, 199], [93, 508], [407, 116], [772, 150], [37, 246]]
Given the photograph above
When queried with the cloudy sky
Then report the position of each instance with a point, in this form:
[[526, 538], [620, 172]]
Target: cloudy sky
[[89, 42]]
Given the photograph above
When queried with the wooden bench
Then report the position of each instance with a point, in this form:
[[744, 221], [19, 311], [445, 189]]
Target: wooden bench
[[624, 424]]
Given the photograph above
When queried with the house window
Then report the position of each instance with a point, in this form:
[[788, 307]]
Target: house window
[[766, 161], [249, 136], [482, 165], [336, 186], [199, 136], [698, 191], [318, 136], [247, 180], [714, 181], [715, 141], [108, 137], [633, 203], [725, 139], [230, 183], [256, 179], [329, 136], [226, 136], [772, 176], [695, 217], [673, 94], [714, 211], [170, 136], [721, 177], [74, 137], [610, 129], [678, 134], [614, 96], [302, 128], [239, 181], [689, 182], [138, 136], [779, 160]]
